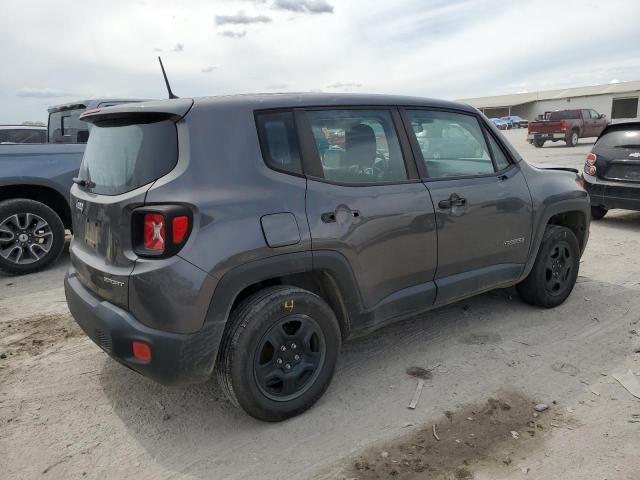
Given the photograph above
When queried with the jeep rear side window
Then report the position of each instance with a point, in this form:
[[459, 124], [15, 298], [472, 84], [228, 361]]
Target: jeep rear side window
[[452, 144], [278, 140], [357, 146]]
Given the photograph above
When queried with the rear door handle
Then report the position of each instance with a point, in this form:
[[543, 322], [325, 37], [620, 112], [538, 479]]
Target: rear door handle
[[328, 217], [453, 201]]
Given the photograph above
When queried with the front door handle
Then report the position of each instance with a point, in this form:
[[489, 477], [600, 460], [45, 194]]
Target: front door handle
[[453, 201]]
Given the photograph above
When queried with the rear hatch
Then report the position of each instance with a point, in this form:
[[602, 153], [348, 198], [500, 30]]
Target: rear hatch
[[618, 153], [130, 147]]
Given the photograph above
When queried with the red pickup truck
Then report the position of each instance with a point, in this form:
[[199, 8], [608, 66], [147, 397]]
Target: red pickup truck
[[567, 125]]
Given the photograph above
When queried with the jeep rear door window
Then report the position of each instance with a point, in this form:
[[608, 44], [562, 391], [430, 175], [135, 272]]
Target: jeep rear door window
[[278, 140], [122, 156], [357, 146], [452, 144]]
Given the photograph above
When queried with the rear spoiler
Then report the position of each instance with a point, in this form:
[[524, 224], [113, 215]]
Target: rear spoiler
[[164, 109]]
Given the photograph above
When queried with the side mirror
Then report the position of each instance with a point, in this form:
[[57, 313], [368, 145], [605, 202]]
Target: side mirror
[[602, 115]]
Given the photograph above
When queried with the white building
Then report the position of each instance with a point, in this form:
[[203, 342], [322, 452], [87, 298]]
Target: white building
[[616, 100]]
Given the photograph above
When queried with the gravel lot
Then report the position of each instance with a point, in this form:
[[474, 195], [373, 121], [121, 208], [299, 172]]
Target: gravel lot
[[68, 411]]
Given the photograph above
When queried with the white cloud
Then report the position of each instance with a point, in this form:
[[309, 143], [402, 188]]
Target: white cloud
[[232, 34], [240, 18], [304, 6]]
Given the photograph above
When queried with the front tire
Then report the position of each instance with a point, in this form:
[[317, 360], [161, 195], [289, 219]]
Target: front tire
[[538, 143], [597, 213], [31, 236], [555, 269], [279, 353]]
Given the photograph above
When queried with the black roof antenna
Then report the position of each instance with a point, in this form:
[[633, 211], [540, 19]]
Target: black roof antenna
[[166, 80]]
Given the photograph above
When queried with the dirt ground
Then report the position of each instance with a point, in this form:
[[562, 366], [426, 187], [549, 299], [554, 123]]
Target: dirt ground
[[68, 411]]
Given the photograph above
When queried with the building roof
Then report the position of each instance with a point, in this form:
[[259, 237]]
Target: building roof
[[520, 98]]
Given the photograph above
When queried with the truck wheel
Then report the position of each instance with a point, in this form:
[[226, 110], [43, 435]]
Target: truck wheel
[[598, 212], [538, 143], [31, 236], [555, 269], [279, 352], [572, 139]]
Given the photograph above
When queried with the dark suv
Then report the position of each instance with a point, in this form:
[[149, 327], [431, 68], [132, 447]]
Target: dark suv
[[612, 169], [250, 235]]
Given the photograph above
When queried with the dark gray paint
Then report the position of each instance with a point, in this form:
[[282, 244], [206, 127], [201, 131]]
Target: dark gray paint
[[390, 245], [497, 209], [398, 257], [280, 229]]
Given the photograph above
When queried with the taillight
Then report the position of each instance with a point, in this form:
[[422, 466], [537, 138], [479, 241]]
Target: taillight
[[590, 164], [180, 226], [160, 230], [564, 125], [154, 232]]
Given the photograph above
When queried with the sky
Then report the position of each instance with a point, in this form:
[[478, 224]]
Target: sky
[[58, 52]]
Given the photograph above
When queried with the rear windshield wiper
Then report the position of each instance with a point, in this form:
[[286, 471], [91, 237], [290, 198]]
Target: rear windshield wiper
[[81, 182], [628, 146]]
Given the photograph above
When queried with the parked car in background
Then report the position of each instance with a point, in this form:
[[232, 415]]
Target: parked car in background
[[501, 124], [34, 189], [612, 169], [212, 237], [568, 126], [22, 134], [516, 121]]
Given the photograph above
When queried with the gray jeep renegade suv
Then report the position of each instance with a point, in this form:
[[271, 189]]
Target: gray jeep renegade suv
[[250, 235]]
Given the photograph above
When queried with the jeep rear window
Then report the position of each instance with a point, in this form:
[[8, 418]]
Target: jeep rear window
[[123, 156]]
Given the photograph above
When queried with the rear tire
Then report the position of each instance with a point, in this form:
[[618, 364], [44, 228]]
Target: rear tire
[[279, 352], [555, 269], [572, 138], [538, 143], [598, 212], [31, 236]]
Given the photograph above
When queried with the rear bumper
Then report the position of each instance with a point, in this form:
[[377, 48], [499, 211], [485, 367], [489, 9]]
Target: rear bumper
[[546, 136], [613, 194], [175, 358]]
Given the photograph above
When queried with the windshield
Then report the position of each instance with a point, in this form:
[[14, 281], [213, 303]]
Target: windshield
[[123, 156], [66, 127]]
